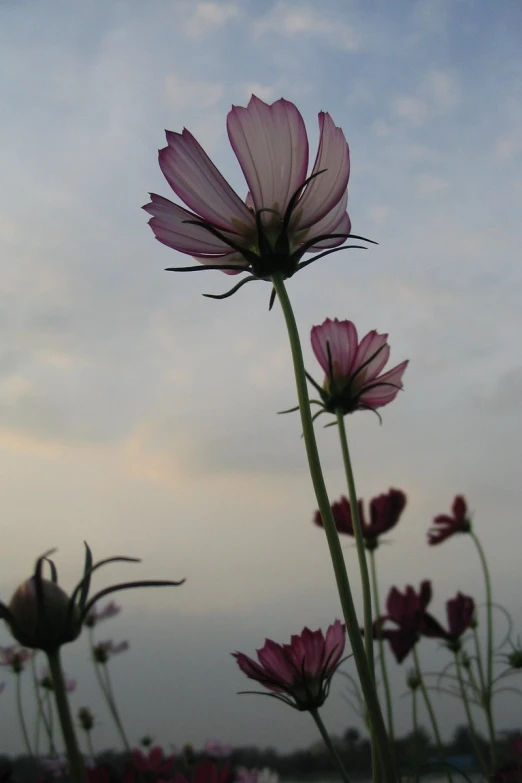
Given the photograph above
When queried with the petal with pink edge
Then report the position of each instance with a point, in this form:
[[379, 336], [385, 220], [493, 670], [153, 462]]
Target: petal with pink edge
[[392, 384], [194, 178], [170, 227], [373, 344], [336, 221], [341, 336], [326, 190], [276, 663], [271, 146], [334, 644]]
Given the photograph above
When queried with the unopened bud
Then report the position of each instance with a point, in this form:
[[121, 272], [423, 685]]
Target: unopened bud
[[42, 618]]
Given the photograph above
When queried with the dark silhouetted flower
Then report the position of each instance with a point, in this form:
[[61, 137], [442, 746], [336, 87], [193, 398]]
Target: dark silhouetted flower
[[354, 378], [385, 511], [102, 651], [298, 673], [446, 526], [42, 616], [407, 611], [461, 616], [96, 616]]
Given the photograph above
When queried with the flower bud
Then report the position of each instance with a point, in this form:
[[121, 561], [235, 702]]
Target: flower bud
[[42, 619], [85, 718]]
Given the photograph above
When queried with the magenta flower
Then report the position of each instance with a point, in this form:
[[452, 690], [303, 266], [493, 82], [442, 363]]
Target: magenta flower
[[285, 214], [353, 369], [461, 616], [407, 612], [15, 657], [385, 511], [298, 673], [446, 526], [154, 761], [205, 772], [96, 616], [102, 651]]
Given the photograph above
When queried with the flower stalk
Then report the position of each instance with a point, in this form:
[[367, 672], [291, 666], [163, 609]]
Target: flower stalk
[[378, 727], [77, 768], [431, 713], [469, 716], [330, 746]]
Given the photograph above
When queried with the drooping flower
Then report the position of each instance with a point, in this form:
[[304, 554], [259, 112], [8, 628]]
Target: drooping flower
[[285, 214], [15, 657], [42, 616], [461, 616], [446, 526], [385, 512], [353, 368], [298, 673], [407, 612], [102, 651], [96, 616]]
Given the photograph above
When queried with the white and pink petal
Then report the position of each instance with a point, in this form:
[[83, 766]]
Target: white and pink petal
[[339, 339], [271, 146]]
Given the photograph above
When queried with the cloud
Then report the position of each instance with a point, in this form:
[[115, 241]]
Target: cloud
[[410, 108], [295, 20], [183, 94], [436, 93], [430, 184], [209, 16]]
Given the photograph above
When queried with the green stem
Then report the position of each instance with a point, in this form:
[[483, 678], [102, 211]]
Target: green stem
[[21, 717], [378, 727], [76, 766], [359, 541], [487, 695], [415, 721], [431, 713], [329, 744], [41, 716], [114, 708], [471, 722], [382, 658], [90, 746]]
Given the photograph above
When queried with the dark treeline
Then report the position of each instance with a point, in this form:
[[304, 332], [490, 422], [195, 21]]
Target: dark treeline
[[415, 753]]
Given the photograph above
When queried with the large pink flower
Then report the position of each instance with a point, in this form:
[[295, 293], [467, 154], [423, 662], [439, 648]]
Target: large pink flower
[[299, 672], [353, 368], [285, 214]]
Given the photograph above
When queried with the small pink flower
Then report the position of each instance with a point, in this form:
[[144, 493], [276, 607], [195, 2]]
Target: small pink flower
[[299, 672], [95, 616], [285, 214], [15, 657], [102, 651], [217, 750], [353, 368], [385, 511], [445, 526], [46, 681]]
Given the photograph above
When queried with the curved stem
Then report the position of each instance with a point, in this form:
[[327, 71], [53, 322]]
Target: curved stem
[[76, 766], [359, 541], [487, 694], [108, 695], [378, 728], [431, 713], [20, 708], [331, 747], [471, 722]]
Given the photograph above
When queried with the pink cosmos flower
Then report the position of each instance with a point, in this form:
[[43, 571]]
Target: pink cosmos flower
[[96, 616], [445, 526], [102, 651], [353, 368], [299, 672], [46, 681], [285, 214], [154, 761], [461, 616], [385, 511], [217, 750], [15, 657]]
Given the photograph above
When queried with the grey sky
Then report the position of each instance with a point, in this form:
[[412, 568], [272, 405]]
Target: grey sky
[[140, 416]]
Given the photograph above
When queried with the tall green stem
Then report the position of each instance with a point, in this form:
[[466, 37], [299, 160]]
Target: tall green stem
[[329, 744], [41, 716], [378, 727], [431, 713], [20, 708], [415, 721], [359, 541], [77, 768], [487, 687], [114, 709], [382, 656], [469, 716]]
